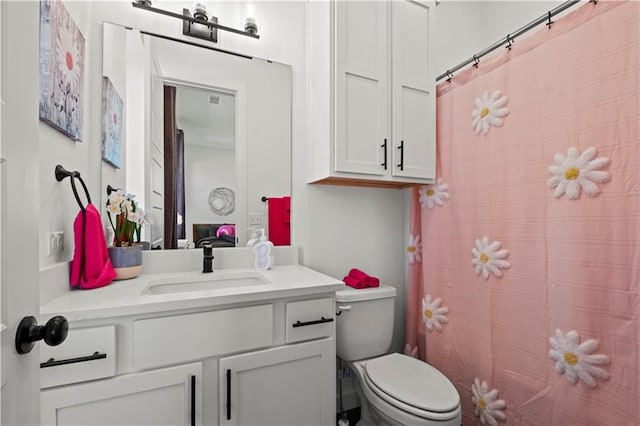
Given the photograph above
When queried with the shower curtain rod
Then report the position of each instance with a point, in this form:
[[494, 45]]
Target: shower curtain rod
[[511, 37]]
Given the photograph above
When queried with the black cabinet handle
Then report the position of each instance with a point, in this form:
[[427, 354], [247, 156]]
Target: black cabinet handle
[[384, 146], [228, 394], [193, 400], [320, 321], [401, 148], [53, 362]]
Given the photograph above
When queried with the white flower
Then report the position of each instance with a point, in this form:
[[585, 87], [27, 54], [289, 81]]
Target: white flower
[[487, 258], [434, 194], [488, 112], [577, 171], [142, 217], [126, 205], [414, 249], [114, 209], [488, 408], [575, 359], [409, 351], [68, 56], [133, 216], [432, 314], [116, 197]]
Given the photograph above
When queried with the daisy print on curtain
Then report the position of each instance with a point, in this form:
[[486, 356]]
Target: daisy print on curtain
[[577, 171], [575, 359], [414, 249], [433, 315], [489, 112], [488, 258], [488, 407], [434, 194]]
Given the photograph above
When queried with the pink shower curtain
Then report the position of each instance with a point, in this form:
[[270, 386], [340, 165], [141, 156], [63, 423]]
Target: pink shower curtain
[[525, 255]]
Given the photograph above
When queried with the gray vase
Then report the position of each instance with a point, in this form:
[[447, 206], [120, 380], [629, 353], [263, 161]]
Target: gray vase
[[126, 261]]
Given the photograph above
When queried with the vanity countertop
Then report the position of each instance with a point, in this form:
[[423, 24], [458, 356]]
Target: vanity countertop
[[128, 297]]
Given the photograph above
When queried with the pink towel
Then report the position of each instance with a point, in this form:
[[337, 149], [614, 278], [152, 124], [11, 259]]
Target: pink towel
[[91, 267], [279, 221], [352, 282], [358, 279]]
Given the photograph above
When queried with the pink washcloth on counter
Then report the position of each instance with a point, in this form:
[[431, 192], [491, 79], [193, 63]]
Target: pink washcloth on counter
[[368, 280], [358, 279], [352, 282]]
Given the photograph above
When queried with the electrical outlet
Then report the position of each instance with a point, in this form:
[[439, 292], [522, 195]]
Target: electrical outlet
[[55, 242], [254, 219]]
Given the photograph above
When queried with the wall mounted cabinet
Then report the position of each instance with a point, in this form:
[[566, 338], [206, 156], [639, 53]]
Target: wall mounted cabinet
[[371, 93]]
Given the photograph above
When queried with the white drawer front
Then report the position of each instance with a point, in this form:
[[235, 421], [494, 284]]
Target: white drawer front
[[309, 319], [179, 338], [86, 354]]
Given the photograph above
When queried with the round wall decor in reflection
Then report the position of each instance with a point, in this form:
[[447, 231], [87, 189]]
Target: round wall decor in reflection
[[222, 201]]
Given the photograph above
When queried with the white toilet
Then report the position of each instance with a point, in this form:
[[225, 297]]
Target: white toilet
[[394, 389]]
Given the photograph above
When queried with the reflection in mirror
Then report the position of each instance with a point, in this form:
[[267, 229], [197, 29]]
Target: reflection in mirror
[[206, 190], [207, 136]]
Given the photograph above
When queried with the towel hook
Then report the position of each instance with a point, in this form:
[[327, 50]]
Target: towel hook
[[62, 173]]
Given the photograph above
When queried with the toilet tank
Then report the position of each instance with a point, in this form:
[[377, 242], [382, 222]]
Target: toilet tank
[[364, 326]]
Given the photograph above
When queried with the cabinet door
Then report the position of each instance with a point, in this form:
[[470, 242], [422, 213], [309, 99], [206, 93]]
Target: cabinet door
[[287, 385], [362, 87], [171, 396], [413, 88]]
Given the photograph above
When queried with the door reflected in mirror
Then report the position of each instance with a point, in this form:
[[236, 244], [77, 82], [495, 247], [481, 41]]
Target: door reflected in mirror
[[204, 174], [207, 136]]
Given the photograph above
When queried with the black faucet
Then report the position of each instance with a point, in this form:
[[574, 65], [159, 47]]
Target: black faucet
[[207, 260]]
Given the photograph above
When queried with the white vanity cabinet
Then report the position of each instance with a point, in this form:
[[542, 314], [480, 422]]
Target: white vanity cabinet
[[168, 396], [293, 384], [371, 93], [286, 385], [267, 362]]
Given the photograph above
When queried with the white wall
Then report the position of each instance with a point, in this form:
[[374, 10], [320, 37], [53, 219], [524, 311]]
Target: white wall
[[464, 28]]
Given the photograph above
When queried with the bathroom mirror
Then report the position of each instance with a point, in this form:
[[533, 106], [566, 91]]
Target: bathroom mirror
[[206, 135]]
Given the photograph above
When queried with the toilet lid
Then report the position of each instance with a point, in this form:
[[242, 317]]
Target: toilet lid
[[413, 382]]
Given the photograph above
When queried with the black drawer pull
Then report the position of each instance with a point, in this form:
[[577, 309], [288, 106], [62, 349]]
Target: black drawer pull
[[193, 400], [320, 321], [228, 394], [52, 362]]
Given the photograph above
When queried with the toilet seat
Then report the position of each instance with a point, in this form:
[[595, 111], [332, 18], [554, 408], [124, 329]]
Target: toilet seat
[[400, 381]]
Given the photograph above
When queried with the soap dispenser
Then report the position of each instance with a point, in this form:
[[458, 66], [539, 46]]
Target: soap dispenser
[[254, 237], [263, 253]]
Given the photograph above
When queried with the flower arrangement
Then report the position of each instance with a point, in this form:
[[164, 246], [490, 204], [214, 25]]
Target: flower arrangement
[[129, 218]]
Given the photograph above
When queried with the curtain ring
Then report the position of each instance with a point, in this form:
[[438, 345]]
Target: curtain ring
[[449, 76], [476, 61], [549, 19], [510, 41]]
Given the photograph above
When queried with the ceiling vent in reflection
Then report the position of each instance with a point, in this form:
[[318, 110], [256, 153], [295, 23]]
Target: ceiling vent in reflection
[[213, 99]]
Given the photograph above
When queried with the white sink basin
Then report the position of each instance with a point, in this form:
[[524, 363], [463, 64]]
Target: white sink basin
[[209, 281]]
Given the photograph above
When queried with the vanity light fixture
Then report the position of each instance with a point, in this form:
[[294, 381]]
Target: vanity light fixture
[[200, 25]]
